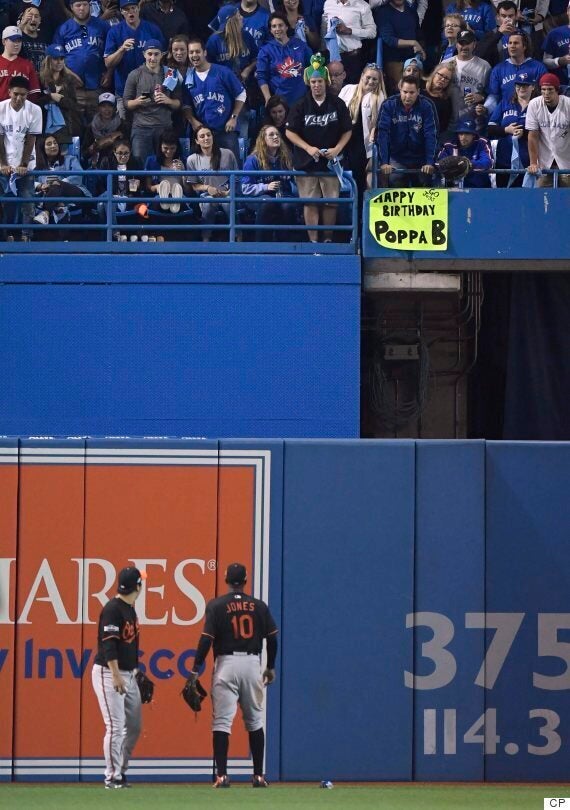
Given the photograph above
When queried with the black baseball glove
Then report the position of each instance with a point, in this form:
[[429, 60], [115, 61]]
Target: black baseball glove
[[454, 167], [194, 693], [146, 687]]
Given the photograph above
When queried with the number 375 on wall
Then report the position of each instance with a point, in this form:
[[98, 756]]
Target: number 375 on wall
[[506, 627]]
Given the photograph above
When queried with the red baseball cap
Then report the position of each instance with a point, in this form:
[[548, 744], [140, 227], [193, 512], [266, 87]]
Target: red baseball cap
[[549, 79]]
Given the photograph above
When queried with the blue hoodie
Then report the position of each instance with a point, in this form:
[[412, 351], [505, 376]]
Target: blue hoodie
[[281, 67], [407, 135]]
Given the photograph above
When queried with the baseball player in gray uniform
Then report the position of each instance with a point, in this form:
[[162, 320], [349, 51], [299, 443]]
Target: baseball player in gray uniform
[[113, 676], [236, 625]]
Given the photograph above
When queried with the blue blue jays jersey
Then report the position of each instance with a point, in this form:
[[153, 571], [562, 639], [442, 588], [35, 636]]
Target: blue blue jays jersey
[[256, 24], [502, 78], [131, 59], [213, 98], [84, 45], [556, 44]]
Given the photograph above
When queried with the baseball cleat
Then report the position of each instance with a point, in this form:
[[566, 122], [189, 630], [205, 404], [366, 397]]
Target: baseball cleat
[[124, 781], [260, 782], [222, 782], [113, 784]]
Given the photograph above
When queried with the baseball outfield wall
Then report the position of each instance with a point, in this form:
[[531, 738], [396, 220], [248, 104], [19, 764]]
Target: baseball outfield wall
[[420, 587]]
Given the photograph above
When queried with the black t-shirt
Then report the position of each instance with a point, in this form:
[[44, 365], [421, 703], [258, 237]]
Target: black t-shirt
[[118, 635], [320, 125], [238, 623]]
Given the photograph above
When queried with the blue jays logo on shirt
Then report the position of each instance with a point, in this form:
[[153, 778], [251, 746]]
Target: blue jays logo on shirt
[[79, 42], [289, 68]]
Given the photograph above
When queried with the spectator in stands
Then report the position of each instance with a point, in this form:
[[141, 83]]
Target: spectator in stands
[[548, 125], [493, 47], [437, 89], [214, 98], [230, 45], [337, 76], [399, 28], [502, 79], [407, 135], [453, 24], [280, 63], [53, 14], [363, 101], [125, 44], [346, 26], [298, 23], [478, 14], [129, 188], [12, 64], [20, 124], [467, 143], [34, 41], [507, 125], [276, 112], [167, 159], [83, 38], [209, 156], [167, 16], [110, 11], [255, 21], [413, 67], [319, 127], [59, 98], [104, 132], [470, 78], [150, 101], [51, 159], [556, 15], [557, 51], [179, 63], [270, 154]]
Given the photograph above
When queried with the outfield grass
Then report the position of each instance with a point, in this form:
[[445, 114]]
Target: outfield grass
[[306, 796]]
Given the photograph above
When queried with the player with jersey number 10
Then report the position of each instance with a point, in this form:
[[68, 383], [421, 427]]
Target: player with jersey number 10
[[236, 625]]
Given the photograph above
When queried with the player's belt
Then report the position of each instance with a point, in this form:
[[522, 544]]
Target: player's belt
[[241, 653]]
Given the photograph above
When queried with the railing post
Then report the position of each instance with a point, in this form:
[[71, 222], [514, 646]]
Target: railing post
[[232, 208], [109, 207]]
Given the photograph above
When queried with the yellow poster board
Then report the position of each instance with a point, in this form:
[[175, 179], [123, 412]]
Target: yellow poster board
[[410, 219]]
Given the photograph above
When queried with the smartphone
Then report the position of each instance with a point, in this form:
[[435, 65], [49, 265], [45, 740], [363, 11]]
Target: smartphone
[[145, 95]]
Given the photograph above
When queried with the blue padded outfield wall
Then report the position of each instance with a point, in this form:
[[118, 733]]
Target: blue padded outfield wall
[[180, 345], [421, 589]]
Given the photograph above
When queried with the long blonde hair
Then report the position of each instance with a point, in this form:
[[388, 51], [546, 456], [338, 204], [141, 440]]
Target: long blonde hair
[[260, 149], [356, 101], [233, 36], [47, 70], [450, 67]]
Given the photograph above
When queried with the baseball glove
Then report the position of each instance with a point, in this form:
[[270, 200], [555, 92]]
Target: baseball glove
[[146, 687], [194, 693], [454, 167]]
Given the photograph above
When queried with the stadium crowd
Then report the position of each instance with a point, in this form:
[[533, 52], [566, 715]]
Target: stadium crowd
[[180, 87]]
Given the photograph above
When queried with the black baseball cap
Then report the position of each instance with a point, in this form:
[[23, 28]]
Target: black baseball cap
[[129, 579], [236, 574], [466, 37]]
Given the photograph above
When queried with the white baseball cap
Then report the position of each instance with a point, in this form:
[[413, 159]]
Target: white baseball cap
[[12, 32], [107, 98]]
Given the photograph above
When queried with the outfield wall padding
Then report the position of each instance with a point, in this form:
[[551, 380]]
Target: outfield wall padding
[[420, 589]]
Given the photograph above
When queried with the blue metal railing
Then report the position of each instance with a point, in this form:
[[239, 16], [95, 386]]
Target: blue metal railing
[[105, 210], [378, 176]]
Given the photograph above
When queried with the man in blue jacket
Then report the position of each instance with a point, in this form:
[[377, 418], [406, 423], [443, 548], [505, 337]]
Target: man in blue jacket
[[407, 135], [467, 143]]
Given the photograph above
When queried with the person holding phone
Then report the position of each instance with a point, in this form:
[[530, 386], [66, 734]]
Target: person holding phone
[[150, 102]]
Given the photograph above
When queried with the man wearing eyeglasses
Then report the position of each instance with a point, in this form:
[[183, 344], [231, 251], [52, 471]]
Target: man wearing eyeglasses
[[83, 38], [337, 75]]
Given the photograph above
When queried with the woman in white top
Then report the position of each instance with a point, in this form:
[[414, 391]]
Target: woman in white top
[[210, 157], [363, 101]]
